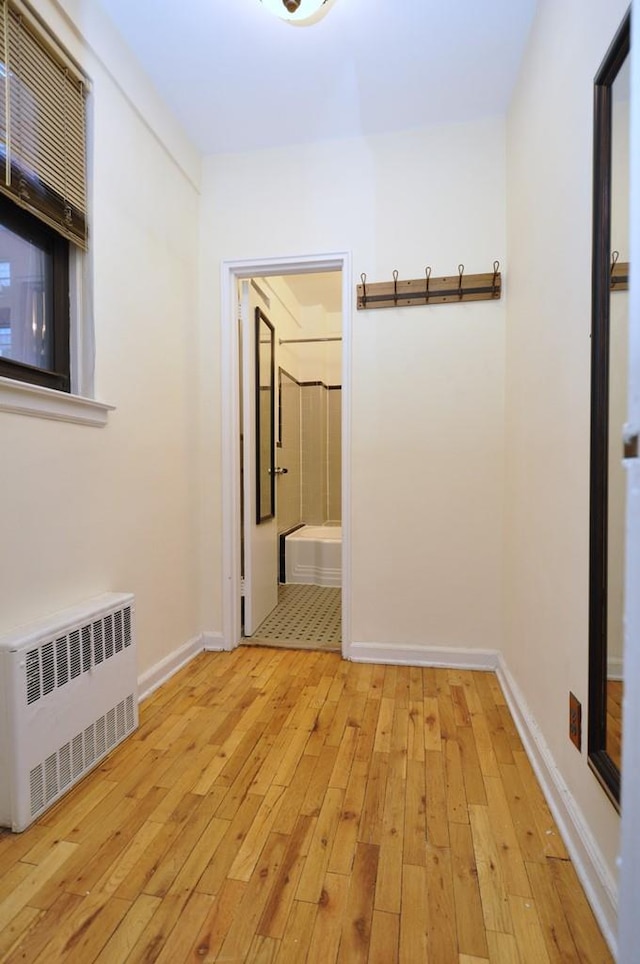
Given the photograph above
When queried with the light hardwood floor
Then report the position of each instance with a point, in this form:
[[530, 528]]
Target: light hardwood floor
[[291, 807], [615, 689]]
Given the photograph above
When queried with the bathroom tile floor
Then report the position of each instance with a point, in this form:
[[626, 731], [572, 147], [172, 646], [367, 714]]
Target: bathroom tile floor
[[306, 617]]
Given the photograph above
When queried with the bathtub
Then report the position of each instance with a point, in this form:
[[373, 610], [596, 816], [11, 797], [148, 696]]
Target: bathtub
[[313, 556]]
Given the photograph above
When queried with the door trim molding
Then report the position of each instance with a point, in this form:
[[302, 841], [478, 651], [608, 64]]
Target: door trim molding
[[233, 271]]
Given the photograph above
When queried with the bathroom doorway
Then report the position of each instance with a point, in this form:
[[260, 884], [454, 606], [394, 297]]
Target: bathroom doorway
[[290, 346], [235, 473]]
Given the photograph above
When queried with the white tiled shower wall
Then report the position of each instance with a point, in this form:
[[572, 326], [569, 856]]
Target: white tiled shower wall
[[310, 492]]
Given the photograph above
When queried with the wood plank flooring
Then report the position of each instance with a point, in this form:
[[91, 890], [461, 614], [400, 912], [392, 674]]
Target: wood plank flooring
[[281, 806], [615, 691]]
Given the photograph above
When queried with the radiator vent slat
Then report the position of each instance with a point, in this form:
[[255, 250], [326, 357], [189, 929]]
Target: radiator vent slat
[[48, 669], [101, 740], [111, 727], [36, 783], [108, 636], [74, 647], [98, 645], [33, 676], [117, 619], [77, 762], [86, 649], [89, 745], [64, 763], [120, 729], [50, 777], [129, 713], [62, 661]]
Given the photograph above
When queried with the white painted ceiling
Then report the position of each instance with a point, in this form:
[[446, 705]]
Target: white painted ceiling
[[239, 79], [317, 289]]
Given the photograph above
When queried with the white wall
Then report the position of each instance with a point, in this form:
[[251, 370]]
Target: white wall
[[548, 372], [85, 510], [427, 383]]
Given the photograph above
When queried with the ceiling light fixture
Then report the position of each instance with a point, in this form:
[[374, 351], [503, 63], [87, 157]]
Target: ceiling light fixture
[[297, 11]]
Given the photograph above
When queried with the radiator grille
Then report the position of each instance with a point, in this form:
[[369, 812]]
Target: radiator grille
[[60, 769], [52, 664], [73, 699]]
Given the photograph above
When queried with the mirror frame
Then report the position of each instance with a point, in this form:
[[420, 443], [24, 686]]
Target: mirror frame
[[599, 760], [260, 319]]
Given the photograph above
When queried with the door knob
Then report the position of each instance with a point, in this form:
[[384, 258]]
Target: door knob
[[630, 442], [279, 471]]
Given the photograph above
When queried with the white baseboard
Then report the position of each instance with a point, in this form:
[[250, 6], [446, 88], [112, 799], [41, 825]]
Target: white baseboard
[[615, 668], [162, 671], [599, 885], [422, 656], [213, 642], [158, 674]]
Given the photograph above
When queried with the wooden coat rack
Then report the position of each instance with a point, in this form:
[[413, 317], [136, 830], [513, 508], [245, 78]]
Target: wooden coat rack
[[431, 291]]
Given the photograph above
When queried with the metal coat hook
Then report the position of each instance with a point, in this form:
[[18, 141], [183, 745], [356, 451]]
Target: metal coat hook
[[395, 286], [614, 260], [363, 279], [427, 272], [460, 273], [619, 273], [496, 268]]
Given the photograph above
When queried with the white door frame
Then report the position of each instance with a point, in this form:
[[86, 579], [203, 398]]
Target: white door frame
[[231, 273]]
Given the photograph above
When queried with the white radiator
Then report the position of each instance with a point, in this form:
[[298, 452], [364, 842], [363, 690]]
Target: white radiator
[[68, 695]]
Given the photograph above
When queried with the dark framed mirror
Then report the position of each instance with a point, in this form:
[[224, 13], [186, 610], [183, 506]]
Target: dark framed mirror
[[265, 412], [609, 347]]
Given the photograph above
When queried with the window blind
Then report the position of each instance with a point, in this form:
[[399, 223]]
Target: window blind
[[42, 126]]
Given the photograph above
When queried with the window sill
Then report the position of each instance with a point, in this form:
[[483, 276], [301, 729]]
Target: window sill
[[23, 399]]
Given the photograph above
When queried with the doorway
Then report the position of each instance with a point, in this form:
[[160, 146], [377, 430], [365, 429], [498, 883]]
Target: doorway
[[291, 491], [267, 275]]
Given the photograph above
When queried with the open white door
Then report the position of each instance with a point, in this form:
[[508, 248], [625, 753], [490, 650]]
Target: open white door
[[260, 537], [629, 919]]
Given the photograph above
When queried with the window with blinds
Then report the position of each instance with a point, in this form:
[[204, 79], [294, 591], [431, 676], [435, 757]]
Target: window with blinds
[[42, 126]]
